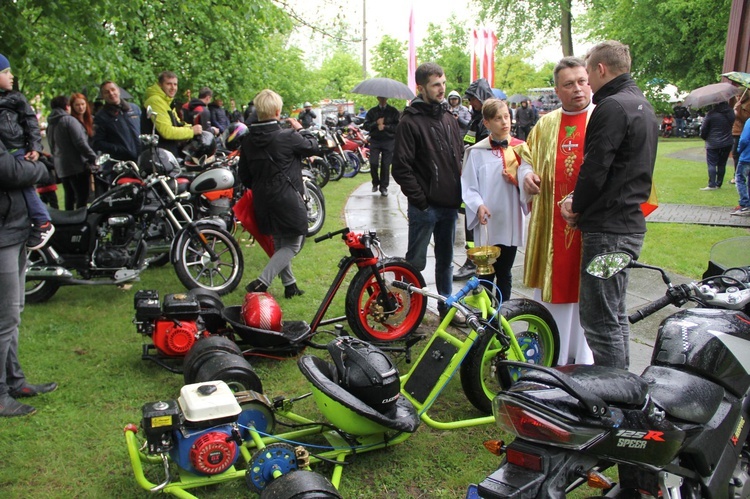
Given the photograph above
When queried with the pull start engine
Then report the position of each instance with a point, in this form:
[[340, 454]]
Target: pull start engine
[[176, 327]]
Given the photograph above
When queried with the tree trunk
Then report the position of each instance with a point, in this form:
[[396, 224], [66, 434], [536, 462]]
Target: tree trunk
[[566, 20]]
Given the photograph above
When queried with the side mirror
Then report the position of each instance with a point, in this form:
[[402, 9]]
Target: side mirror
[[606, 265], [150, 113], [102, 159]]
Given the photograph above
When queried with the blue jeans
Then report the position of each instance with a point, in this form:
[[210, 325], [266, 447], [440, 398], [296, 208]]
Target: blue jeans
[[717, 165], [679, 125], [741, 179], [439, 223], [12, 278], [602, 307]]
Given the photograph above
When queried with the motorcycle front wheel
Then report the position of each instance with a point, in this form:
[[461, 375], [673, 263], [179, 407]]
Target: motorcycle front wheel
[[194, 266], [537, 335], [352, 164], [316, 208], [39, 291], [321, 171], [337, 164], [366, 310], [364, 163]]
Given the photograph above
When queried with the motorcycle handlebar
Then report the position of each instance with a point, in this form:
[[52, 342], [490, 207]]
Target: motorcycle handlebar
[[331, 234], [677, 295]]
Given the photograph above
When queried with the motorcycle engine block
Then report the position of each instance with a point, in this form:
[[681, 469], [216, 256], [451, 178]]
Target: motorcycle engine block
[[113, 241]]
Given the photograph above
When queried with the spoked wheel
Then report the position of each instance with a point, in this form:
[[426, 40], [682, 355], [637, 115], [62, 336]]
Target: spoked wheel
[[194, 266], [316, 208], [364, 164], [322, 172], [537, 335], [39, 291], [337, 164], [352, 164], [370, 316]]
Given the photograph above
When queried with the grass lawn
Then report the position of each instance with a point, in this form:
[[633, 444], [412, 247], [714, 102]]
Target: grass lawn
[[84, 339]]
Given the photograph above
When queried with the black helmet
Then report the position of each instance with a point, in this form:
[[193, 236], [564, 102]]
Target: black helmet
[[331, 121], [233, 134], [200, 148], [366, 372], [164, 164]]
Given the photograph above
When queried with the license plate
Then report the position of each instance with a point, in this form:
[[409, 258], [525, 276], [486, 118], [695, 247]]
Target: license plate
[[472, 492]]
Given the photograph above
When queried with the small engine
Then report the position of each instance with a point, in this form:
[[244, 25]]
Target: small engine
[[176, 327], [199, 430]]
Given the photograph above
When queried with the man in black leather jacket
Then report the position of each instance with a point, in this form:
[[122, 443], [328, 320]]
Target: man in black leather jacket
[[614, 180]]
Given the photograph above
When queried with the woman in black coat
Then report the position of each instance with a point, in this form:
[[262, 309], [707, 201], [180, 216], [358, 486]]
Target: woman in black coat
[[271, 165]]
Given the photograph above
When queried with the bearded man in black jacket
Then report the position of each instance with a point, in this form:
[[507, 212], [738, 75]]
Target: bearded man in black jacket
[[427, 165], [614, 180]]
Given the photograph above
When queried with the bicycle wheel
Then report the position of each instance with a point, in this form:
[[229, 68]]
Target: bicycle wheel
[[337, 164], [537, 335], [366, 311], [352, 164]]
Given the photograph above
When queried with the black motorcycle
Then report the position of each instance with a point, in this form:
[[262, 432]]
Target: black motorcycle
[[107, 242], [679, 430]]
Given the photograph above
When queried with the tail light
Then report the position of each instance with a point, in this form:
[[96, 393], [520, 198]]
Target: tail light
[[535, 426]]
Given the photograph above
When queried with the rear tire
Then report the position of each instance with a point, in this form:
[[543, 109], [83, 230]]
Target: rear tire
[[233, 370], [300, 484], [202, 351], [537, 335], [39, 291]]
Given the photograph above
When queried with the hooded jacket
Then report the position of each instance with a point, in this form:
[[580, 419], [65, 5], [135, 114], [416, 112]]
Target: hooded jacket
[[269, 159], [460, 112], [716, 129], [15, 175], [480, 89], [116, 131], [172, 131], [427, 156], [19, 128], [618, 163], [69, 144]]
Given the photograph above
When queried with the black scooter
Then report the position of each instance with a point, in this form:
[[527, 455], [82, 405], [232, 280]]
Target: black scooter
[[677, 431]]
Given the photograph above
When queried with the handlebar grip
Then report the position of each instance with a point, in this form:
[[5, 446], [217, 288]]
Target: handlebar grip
[[331, 234], [469, 287], [401, 285], [651, 308]]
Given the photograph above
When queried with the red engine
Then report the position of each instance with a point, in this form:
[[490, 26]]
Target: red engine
[[173, 327], [262, 311]]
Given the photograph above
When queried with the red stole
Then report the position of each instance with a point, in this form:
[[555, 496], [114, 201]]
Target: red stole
[[566, 242]]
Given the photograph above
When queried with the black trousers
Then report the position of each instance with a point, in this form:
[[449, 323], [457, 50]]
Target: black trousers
[[381, 156], [76, 190]]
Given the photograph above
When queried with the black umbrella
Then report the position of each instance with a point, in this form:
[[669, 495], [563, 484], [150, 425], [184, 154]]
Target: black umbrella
[[517, 98], [384, 87], [124, 94]]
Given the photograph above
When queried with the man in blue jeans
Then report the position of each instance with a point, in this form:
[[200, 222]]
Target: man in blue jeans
[[427, 165], [743, 171], [614, 180]]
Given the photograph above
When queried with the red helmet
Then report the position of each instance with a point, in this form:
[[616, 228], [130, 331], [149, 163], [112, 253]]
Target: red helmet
[[262, 311]]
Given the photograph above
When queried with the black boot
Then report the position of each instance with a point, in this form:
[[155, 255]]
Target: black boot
[[256, 286], [292, 290]]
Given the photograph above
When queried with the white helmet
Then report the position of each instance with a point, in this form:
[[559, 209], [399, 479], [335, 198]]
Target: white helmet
[[307, 104]]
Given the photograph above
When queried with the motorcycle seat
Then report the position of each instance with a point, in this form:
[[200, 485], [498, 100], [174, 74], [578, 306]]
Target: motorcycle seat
[[613, 386], [323, 376], [683, 395], [71, 217]]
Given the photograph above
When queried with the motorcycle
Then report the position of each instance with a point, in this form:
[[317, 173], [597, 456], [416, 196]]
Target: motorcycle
[[676, 431], [693, 126], [107, 242], [357, 142], [667, 124]]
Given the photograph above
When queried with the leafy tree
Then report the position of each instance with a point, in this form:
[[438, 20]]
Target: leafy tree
[[389, 59], [447, 45], [677, 41], [516, 76], [525, 21], [339, 74]]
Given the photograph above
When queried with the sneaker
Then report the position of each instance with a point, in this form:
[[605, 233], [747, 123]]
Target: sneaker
[[28, 390], [40, 235], [708, 188], [10, 407], [731, 181], [466, 270], [742, 212], [292, 290]]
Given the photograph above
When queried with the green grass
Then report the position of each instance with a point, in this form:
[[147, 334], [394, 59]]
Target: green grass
[[84, 339]]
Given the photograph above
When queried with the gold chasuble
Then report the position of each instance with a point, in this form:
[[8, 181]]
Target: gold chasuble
[[553, 250]]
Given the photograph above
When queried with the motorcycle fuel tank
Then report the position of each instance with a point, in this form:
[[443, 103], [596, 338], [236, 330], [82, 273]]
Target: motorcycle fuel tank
[[713, 343], [212, 180], [123, 198]]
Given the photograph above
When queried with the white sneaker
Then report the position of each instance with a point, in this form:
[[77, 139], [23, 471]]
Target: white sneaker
[[40, 236]]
